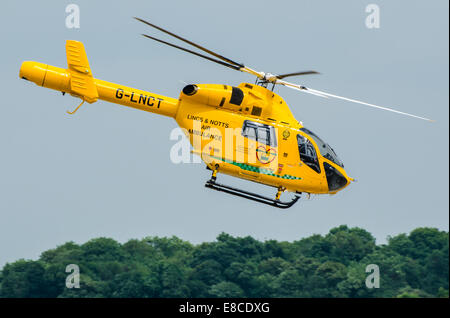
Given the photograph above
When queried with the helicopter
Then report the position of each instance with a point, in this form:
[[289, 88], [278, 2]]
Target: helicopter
[[245, 131]]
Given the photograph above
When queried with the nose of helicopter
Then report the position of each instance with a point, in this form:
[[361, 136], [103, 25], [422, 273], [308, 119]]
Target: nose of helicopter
[[337, 178]]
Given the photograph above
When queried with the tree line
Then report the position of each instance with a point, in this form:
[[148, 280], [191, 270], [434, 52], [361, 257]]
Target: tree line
[[332, 265]]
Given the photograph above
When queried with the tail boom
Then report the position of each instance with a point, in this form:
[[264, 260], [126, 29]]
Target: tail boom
[[78, 81]]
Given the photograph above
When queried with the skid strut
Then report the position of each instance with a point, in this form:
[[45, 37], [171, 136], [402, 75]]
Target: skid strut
[[212, 184]]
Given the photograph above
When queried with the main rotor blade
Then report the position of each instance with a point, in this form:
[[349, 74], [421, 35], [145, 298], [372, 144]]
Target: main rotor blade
[[324, 94], [192, 52], [223, 58], [297, 74]]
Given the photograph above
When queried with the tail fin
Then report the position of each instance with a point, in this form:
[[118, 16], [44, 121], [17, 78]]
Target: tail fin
[[82, 82]]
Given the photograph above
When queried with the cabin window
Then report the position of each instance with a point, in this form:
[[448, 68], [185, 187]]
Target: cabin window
[[261, 133], [308, 153]]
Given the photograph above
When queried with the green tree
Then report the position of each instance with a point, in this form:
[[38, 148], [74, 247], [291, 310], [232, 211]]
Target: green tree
[[411, 265], [208, 272], [226, 289], [243, 274], [136, 284], [24, 279], [289, 284], [333, 273], [349, 244], [426, 240], [354, 284], [173, 280], [409, 292], [102, 248], [273, 266]]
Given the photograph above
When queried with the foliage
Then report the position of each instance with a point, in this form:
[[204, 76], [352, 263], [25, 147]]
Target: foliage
[[334, 265]]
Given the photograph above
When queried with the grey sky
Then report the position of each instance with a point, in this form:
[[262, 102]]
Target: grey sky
[[106, 171]]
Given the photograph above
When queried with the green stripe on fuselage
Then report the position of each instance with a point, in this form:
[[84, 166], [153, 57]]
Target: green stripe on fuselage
[[265, 171]]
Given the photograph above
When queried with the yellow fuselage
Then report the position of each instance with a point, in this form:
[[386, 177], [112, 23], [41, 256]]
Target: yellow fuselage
[[213, 117]]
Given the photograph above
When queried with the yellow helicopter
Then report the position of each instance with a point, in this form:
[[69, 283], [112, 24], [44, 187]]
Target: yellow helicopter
[[246, 131]]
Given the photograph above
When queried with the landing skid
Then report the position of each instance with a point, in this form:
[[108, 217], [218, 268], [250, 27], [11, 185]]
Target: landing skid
[[212, 184]]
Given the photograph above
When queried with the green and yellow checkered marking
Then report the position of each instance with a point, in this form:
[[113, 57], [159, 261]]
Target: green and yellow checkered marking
[[268, 172]]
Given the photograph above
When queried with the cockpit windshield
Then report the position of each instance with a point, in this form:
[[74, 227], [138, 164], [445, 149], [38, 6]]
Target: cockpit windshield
[[325, 150]]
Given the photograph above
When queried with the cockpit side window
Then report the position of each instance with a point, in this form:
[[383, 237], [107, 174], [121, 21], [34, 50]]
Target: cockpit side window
[[262, 133], [308, 153]]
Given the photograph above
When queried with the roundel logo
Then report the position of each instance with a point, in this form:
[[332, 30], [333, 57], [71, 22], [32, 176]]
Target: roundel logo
[[264, 155]]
